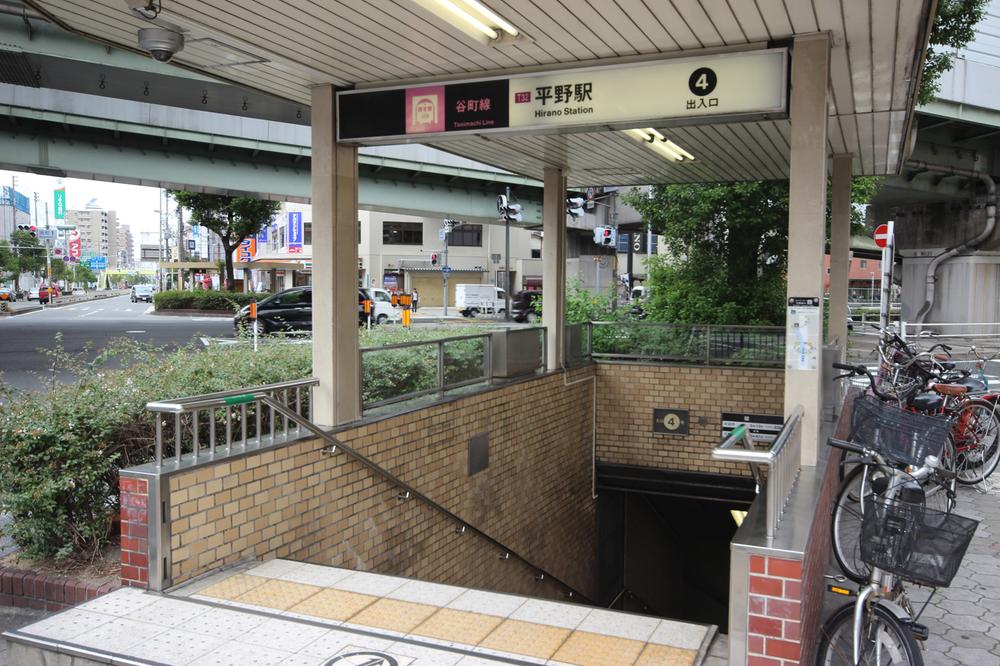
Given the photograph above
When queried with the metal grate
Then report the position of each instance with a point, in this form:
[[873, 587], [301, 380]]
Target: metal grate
[[16, 69]]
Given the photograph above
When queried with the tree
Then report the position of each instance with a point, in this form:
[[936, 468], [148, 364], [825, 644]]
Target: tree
[[726, 250], [954, 27], [22, 254], [232, 219]]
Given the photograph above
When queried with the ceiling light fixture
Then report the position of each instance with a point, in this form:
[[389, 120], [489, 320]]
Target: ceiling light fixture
[[660, 144], [473, 18]]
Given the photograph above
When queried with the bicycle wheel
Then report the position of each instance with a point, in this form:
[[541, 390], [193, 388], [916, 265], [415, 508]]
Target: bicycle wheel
[[885, 641], [976, 432], [854, 496]]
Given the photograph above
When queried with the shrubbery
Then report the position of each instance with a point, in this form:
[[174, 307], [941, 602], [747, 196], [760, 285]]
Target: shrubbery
[[60, 451], [203, 299]]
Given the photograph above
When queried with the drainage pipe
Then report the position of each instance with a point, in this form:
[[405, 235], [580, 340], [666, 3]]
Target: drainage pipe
[[17, 9], [991, 220]]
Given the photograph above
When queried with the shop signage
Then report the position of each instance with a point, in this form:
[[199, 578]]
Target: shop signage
[[247, 249], [678, 90], [295, 233], [60, 203]]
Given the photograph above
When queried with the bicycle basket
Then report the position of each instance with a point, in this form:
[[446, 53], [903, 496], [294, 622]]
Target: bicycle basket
[[917, 544], [901, 436]]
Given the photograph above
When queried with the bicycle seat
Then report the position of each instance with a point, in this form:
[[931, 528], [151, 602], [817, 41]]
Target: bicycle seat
[[972, 384], [949, 389]]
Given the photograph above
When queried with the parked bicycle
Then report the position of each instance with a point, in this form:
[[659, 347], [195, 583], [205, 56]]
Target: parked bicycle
[[901, 540]]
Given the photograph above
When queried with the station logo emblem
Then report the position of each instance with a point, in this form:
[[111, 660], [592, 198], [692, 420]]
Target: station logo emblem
[[362, 659], [425, 110]]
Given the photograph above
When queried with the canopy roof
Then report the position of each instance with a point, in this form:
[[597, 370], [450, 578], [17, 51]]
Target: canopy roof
[[286, 47]]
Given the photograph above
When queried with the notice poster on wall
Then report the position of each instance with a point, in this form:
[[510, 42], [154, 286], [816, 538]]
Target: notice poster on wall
[[802, 334]]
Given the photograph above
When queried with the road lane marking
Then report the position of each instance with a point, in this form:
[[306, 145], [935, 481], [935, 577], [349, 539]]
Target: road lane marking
[[148, 310], [135, 331], [90, 313]]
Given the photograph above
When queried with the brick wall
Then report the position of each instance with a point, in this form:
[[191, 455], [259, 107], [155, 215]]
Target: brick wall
[[134, 534], [297, 502], [29, 589], [628, 394]]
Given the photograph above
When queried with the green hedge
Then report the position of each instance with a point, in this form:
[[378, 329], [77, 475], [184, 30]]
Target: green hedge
[[60, 453], [224, 301]]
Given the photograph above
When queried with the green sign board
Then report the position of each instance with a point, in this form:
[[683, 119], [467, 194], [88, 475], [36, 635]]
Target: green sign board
[[60, 204]]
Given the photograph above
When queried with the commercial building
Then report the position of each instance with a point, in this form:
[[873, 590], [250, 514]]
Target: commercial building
[[124, 257], [98, 229]]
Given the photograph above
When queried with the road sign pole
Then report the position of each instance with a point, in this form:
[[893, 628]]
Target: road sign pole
[[887, 261], [444, 274]]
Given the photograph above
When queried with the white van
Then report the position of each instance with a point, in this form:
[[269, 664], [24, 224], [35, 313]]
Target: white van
[[382, 308], [471, 299]]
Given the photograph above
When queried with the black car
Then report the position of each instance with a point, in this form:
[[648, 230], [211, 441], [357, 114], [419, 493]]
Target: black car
[[286, 311], [522, 306]]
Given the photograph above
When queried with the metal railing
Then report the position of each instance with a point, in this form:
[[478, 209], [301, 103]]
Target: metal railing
[[196, 424], [781, 460], [408, 370], [578, 349], [762, 346]]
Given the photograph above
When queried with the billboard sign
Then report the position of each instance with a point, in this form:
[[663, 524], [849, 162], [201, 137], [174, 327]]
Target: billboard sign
[[74, 245], [295, 233], [60, 203], [246, 251]]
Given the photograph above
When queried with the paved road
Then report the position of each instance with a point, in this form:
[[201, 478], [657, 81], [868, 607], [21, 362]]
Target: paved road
[[94, 323]]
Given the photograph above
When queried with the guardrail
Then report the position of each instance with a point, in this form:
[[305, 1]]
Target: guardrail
[[198, 420], [655, 341], [953, 330], [781, 460]]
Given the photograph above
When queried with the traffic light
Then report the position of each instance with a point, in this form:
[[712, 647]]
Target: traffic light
[[510, 212], [605, 235], [30, 228], [574, 206], [434, 259]]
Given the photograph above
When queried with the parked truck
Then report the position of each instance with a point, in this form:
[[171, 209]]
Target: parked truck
[[472, 299]]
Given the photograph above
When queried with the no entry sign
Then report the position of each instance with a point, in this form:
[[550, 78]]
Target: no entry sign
[[882, 235]]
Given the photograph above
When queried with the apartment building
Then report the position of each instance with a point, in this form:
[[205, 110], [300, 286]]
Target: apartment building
[[98, 229], [125, 255]]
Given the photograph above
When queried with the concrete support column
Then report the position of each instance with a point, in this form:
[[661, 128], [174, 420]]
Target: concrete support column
[[840, 248], [806, 221], [554, 265], [335, 267]]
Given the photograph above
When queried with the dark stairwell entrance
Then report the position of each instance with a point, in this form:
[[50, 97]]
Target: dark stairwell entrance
[[664, 541]]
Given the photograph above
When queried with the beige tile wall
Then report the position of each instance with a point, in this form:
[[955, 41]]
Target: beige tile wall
[[299, 503], [628, 394]]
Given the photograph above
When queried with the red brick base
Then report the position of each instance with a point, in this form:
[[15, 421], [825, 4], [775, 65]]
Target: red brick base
[[27, 589], [774, 624], [135, 537]]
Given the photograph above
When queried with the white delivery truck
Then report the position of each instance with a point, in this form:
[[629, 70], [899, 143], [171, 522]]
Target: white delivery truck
[[471, 299]]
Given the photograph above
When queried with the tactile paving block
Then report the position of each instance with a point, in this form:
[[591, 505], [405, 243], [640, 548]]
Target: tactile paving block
[[528, 638], [664, 655], [394, 615], [233, 587], [334, 604], [587, 649], [458, 626], [279, 594]]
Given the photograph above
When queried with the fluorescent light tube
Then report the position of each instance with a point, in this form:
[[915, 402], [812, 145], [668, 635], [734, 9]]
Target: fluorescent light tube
[[660, 144], [472, 18]]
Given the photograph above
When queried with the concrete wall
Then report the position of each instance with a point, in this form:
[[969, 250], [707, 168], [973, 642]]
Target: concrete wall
[[628, 394], [296, 502], [967, 288]]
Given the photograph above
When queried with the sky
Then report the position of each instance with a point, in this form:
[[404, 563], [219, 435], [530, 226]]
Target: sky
[[134, 204]]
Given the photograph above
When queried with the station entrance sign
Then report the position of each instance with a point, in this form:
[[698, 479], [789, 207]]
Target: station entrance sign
[[739, 85]]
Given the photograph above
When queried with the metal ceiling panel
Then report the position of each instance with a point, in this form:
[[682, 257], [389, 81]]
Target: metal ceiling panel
[[301, 43]]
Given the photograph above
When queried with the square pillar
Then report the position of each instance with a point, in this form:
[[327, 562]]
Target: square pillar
[[840, 249], [335, 267], [807, 223], [554, 265]]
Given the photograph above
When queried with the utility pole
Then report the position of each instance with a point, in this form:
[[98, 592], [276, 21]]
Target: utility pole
[[444, 268], [506, 263]]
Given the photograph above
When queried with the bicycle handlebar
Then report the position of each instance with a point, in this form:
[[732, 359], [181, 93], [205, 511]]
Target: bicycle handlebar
[[860, 371], [847, 446]]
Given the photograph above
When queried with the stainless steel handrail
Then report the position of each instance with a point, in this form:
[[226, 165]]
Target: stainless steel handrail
[[290, 392], [782, 460]]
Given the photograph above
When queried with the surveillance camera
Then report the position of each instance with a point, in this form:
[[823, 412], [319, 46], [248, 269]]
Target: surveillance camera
[[161, 43]]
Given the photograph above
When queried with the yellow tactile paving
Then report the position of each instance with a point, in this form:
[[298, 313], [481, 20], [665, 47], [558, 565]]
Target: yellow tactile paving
[[663, 655], [534, 640], [280, 594], [458, 626], [334, 604], [233, 586], [394, 615], [586, 649]]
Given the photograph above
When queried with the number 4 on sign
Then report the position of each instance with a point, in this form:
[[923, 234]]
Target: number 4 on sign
[[702, 82]]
